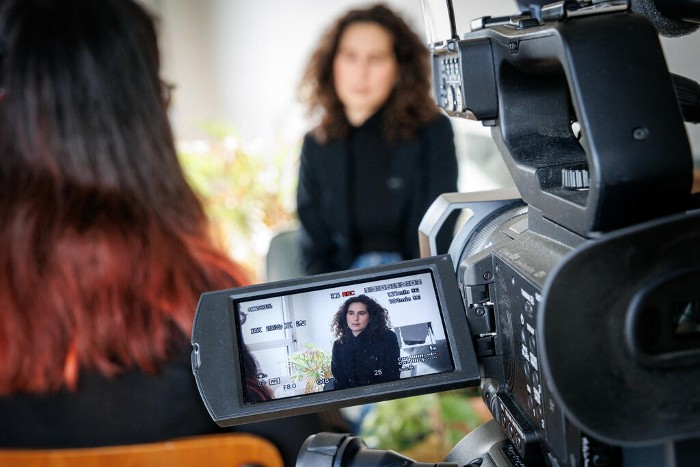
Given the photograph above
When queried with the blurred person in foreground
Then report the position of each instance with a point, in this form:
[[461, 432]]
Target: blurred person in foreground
[[381, 153], [104, 247]]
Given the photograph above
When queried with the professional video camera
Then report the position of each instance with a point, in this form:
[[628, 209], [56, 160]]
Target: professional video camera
[[573, 300]]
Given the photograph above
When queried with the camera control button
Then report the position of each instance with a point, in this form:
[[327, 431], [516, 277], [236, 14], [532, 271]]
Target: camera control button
[[575, 179]]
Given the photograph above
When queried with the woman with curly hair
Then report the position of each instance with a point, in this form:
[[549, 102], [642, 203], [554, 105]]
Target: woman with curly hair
[[366, 350], [381, 153]]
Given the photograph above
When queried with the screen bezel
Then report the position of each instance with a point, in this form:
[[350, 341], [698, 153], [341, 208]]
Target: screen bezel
[[216, 358]]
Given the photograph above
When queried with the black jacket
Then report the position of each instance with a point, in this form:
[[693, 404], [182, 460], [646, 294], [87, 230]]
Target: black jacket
[[365, 359], [421, 170]]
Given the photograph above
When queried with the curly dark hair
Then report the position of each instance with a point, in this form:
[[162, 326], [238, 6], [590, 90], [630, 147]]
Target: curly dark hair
[[378, 318], [409, 107]]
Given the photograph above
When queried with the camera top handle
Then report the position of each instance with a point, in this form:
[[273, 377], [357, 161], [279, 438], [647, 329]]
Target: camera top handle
[[530, 81]]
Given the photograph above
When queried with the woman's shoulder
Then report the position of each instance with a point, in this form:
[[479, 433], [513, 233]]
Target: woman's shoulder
[[441, 124], [317, 151], [312, 139]]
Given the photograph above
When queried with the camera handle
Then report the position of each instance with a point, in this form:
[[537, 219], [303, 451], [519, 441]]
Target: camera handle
[[635, 151], [630, 157]]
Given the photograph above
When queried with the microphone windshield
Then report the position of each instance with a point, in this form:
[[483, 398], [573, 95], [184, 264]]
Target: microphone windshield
[[664, 25]]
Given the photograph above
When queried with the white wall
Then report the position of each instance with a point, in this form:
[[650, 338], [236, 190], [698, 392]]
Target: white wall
[[239, 62]]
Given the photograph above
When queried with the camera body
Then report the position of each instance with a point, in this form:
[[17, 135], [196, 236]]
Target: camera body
[[531, 81], [583, 110]]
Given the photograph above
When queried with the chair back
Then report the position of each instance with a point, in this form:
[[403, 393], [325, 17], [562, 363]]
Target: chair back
[[283, 260], [218, 450]]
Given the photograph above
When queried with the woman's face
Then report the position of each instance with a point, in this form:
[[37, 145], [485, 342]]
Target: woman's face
[[365, 70], [357, 317]]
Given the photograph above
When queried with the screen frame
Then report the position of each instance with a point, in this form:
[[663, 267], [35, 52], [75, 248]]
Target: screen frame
[[216, 361]]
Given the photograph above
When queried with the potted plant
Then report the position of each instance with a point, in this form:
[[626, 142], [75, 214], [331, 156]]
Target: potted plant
[[313, 366]]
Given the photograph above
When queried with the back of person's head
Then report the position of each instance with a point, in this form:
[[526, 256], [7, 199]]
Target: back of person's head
[[104, 247], [82, 100], [410, 106]]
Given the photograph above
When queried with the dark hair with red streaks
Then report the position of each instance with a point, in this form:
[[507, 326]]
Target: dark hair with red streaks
[[104, 247]]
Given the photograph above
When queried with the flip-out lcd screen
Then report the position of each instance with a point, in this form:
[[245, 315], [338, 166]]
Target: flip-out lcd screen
[[340, 339], [343, 336]]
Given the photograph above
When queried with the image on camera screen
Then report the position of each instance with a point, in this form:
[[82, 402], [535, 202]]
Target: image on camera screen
[[343, 336]]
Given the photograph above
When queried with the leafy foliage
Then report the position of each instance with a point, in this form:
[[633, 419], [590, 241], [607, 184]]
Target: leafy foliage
[[440, 419], [311, 365], [249, 196]]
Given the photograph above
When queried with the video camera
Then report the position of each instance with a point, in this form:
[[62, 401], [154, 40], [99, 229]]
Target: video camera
[[573, 300]]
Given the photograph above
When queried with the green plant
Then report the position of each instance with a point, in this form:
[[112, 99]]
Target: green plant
[[249, 196], [441, 419], [313, 366]]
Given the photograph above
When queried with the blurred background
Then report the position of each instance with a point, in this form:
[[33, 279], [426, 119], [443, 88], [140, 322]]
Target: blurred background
[[235, 66]]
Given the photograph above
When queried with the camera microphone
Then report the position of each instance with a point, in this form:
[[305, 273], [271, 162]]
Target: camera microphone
[[672, 18]]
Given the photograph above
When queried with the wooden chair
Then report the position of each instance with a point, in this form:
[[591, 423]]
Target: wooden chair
[[219, 450]]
